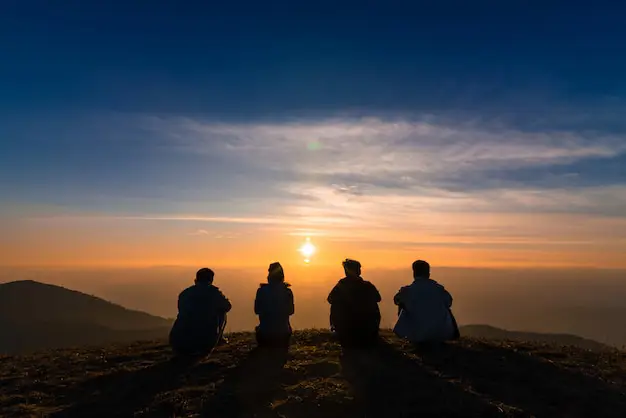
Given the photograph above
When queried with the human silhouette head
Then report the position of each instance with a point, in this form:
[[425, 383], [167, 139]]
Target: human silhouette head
[[275, 273], [351, 267], [205, 275], [421, 269]]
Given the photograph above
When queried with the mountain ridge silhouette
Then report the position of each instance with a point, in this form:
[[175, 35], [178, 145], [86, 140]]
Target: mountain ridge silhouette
[[36, 315], [564, 339]]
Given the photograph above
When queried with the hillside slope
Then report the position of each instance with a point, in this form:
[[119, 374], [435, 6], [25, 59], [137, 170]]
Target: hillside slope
[[469, 378], [489, 332], [35, 315], [30, 300]]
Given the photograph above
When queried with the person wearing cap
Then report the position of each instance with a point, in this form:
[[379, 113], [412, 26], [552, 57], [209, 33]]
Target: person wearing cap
[[424, 309], [354, 311], [274, 305], [201, 318]]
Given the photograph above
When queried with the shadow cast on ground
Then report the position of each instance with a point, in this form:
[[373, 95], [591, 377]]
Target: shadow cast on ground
[[249, 389], [122, 393], [390, 380], [525, 382], [388, 383]]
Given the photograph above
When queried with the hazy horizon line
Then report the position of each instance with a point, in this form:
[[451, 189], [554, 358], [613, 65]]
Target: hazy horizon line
[[307, 266]]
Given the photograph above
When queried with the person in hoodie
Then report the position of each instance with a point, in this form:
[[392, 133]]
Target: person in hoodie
[[201, 318], [354, 311], [274, 305], [424, 309]]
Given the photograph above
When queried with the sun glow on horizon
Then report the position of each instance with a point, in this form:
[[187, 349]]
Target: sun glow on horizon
[[307, 250]]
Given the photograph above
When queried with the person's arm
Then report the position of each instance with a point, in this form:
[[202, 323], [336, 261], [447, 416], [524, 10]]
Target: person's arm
[[375, 294], [257, 303], [332, 297], [397, 299], [182, 303], [291, 308], [226, 305], [447, 297]]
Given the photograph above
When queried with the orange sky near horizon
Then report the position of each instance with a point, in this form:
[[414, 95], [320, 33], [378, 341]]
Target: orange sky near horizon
[[542, 241]]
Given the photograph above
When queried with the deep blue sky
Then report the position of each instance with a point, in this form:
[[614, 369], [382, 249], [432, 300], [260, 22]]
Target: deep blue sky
[[246, 59], [248, 108]]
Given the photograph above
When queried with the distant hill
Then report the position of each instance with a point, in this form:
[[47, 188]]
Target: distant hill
[[35, 315], [467, 378], [600, 323], [489, 332]]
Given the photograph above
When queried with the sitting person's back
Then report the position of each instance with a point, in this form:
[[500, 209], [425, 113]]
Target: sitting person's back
[[201, 316], [274, 305], [424, 309], [354, 311]]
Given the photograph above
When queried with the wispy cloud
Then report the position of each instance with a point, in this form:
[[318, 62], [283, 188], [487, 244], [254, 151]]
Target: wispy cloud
[[405, 181], [214, 235], [372, 146], [414, 175], [356, 156], [199, 232]]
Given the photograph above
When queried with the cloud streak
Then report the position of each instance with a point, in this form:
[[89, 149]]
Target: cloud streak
[[377, 147], [375, 183], [419, 175], [423, 158]]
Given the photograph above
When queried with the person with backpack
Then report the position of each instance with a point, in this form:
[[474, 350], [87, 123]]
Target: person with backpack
[[201, 319], [354, 311], [274, 305], [424, 309]]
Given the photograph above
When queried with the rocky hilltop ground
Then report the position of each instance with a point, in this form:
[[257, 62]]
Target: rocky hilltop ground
[[468, 378]]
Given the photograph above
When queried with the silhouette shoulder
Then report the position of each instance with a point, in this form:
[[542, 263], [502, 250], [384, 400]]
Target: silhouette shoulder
[[437, 284], [370, 284], [186, 291]]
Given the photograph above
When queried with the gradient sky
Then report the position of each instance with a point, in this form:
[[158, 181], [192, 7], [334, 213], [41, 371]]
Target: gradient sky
[[469, 133]]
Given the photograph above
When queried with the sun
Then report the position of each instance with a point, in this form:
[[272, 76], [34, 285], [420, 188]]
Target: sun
[[307, 250]]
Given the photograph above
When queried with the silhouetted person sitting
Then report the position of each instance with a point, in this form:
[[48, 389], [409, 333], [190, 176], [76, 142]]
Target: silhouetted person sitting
[[201, 317], [354, 312], [424, 313], [274, 305]]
